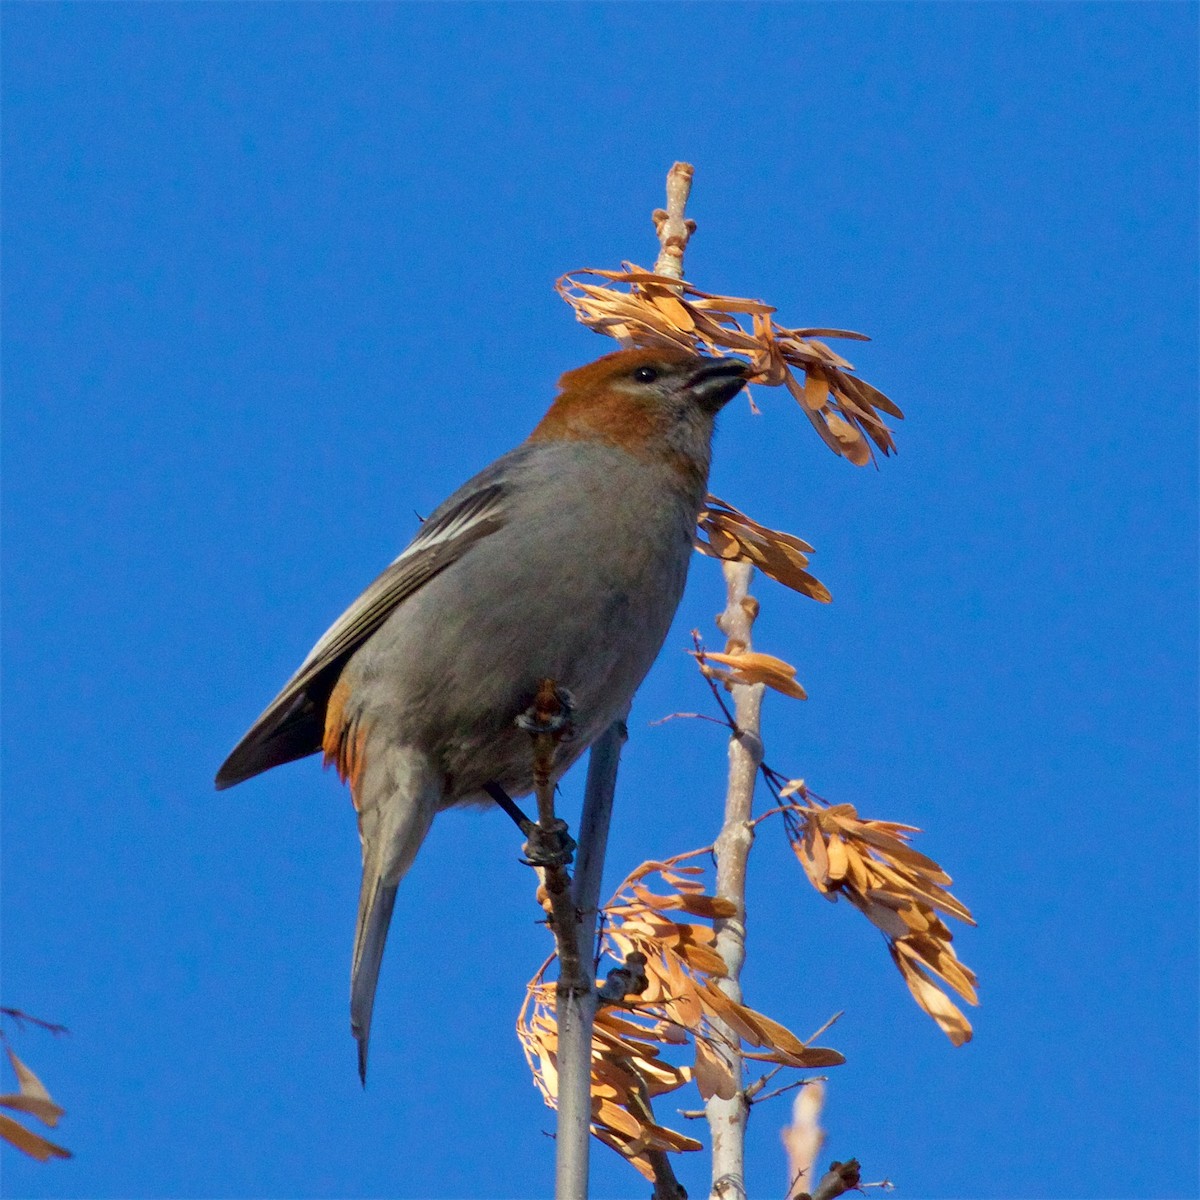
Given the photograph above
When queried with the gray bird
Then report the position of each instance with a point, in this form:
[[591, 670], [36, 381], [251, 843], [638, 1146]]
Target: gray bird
[[563, 560]]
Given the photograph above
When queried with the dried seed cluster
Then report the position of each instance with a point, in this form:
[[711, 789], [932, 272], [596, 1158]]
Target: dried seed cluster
[[728, 534], [899, 890], [640, 308], [677, 1007]]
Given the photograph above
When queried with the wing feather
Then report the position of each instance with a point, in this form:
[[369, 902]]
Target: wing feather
[[291, 726]]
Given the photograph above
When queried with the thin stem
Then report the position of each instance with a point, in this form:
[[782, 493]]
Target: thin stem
[[727, 1118], [575, 1000], [672, 227], [839, 1179]]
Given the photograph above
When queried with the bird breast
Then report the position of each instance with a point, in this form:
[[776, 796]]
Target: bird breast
[[579, 585]]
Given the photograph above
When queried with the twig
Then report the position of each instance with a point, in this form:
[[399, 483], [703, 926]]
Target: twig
[[549, 844], [787, 1087], [760, 1083], [730, 721], [550, 847], [837, 1016], [688, 716], [727, 1118], [803, 1138], [672, 227], [575, 1008], [666, 1185], [839, 1179], [21, 1018], [603, 760]]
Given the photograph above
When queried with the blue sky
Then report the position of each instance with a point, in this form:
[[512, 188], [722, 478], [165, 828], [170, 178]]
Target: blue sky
[[277, 277]]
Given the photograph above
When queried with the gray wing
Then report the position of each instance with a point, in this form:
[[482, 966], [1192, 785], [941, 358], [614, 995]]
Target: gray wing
[[293, 723]]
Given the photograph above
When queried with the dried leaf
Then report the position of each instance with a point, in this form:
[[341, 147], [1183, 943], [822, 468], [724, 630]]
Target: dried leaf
[[702, 959], [816, 390], [730, 304], [897, 850], [676, 311], [838, 860], [884, 918], [713, 1075], [681, 1002], [853, 444], [893, 886], [698, 905], [739, 1018], [935, 1002], [814, 1056], [31, 1143], [734, 536], [819, 852], [647, 309], [774, 1035], [33, 1097], [939, 959], [837, 333], [713, 907], [751, 667]]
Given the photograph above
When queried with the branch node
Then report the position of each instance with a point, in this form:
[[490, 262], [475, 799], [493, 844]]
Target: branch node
[[670, 225], [840, 1178]]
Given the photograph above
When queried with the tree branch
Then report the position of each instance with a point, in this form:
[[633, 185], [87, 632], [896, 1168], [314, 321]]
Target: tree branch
[[804, 1137], [672, 227], [840, 1178], [727, 1118], [574, 907]]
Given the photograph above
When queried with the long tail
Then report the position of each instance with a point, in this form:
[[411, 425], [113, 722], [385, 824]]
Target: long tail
[[375, 904], [396, 800]]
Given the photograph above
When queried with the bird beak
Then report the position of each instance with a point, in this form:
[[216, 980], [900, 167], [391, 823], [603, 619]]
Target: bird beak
[[716, 381]]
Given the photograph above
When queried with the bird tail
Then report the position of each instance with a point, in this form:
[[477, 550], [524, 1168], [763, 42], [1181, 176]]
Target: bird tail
[[375, 903], [396, 806]]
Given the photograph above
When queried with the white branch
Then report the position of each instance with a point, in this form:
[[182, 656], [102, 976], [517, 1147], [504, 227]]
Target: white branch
[[727, 1118], [575, 1006]]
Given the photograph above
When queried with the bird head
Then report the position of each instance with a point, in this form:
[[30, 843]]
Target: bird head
[[657, 403]]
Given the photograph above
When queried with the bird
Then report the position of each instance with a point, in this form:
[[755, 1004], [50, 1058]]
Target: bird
[[564, 560]]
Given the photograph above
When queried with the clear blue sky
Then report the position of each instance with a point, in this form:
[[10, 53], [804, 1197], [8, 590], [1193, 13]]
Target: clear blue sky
[[276, 277]]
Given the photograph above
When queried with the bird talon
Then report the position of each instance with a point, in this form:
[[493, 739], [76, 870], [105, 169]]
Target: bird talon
[[553, 847], [549, 713]]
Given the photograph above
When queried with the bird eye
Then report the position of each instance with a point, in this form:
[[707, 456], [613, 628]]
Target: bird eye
[[645, 374]]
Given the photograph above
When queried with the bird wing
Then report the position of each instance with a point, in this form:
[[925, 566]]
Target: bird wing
[[293, 723]]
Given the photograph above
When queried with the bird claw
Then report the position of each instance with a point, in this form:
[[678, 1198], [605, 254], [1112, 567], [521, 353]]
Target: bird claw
[[549, 713], [553, 847]]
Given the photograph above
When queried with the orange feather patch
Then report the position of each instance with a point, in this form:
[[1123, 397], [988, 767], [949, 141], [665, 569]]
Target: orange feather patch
[[345, 740], [589, 408]]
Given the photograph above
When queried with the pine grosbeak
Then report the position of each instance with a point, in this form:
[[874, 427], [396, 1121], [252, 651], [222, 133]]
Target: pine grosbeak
[[563, 560]]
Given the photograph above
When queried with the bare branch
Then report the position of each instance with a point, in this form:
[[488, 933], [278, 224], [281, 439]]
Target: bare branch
[[688, 716], [573, 908], [727, 1118], [787, 1087], [550, 846], [22, 1018], [673, 228], [804, 1137], [839, 1179]]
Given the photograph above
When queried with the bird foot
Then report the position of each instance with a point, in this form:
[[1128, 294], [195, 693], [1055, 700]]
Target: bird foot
[[550, 712], [553, 847]]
